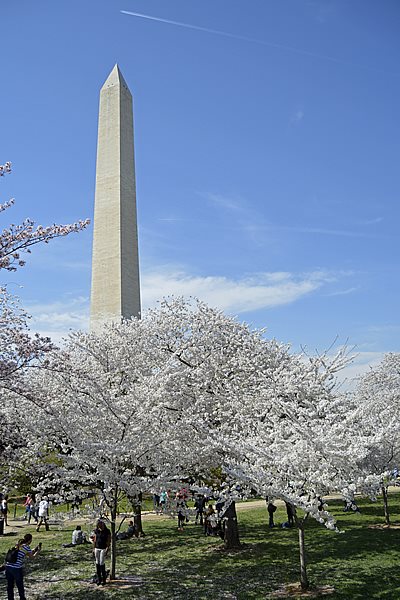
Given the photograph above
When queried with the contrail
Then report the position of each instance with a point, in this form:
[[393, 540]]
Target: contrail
[[256, 41], [225, 34]]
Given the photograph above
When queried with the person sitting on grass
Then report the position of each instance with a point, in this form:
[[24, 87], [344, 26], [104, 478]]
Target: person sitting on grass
[[129, 533], [78, 537], [210, 521]]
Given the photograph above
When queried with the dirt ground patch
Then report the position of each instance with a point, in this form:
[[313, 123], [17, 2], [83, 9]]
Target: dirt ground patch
[[384, 526], [293, 590]]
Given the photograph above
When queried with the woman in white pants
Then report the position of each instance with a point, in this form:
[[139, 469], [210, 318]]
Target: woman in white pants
[[101, 543]]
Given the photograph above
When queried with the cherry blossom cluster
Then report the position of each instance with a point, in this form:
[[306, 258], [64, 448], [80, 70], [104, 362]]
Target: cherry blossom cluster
[[6, 168], [17, 239]]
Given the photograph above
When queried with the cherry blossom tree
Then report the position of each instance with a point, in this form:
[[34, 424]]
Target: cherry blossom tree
[[206, 358], [18, 348], [97, 406], [270, 418], [187, 389], [376, 420], [288, 441]]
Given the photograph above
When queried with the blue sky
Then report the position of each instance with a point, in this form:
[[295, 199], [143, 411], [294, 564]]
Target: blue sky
[[267, 167]]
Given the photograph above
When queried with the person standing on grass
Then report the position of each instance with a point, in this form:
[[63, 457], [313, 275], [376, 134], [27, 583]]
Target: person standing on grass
[[290, 511], [271, 509], [14, 570], [4, 508], [43, 512], [163, 500], [156, 502], [199, 505], [181, 509], [101, 540]]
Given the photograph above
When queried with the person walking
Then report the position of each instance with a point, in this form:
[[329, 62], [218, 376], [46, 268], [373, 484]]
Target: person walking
[[43, 512], [35, 509], [101, 540], [29, 505], [14, 569]]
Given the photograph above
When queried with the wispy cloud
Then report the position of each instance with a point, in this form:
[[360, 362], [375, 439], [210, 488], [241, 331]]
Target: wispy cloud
[[265, 290], [320, 231], [252, 223], [239, 211], [226, 202], [171, 219], [345, 292], [336, 232], [297, 117], [235, 296], [385, 328], [258, 291], [56, 319], [371, 221], [321, 11]]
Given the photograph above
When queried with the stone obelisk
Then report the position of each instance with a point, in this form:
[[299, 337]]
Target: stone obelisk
[[115, 263]]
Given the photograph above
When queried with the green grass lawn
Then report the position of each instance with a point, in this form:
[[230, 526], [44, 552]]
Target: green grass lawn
[[360, 562]]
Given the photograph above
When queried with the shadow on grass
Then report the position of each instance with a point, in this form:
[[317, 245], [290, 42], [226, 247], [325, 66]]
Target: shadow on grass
[[360, 563], [179, 573]]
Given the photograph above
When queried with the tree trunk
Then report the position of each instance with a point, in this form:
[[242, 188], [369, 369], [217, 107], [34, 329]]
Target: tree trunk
[[137, 515], [113, 542], [385, 504], [303, 568], [231, 534]]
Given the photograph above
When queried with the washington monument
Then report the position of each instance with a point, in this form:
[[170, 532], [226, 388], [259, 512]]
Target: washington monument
[[115, 289]]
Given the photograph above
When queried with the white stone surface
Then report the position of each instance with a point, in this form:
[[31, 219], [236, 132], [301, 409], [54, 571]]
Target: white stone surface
[[115, 289]]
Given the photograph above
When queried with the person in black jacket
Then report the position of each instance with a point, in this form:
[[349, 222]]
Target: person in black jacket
[[199, 505], [271, 509], [101, 540], [290, 511]]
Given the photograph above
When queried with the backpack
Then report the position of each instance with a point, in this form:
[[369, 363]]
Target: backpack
[[12, 555]]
